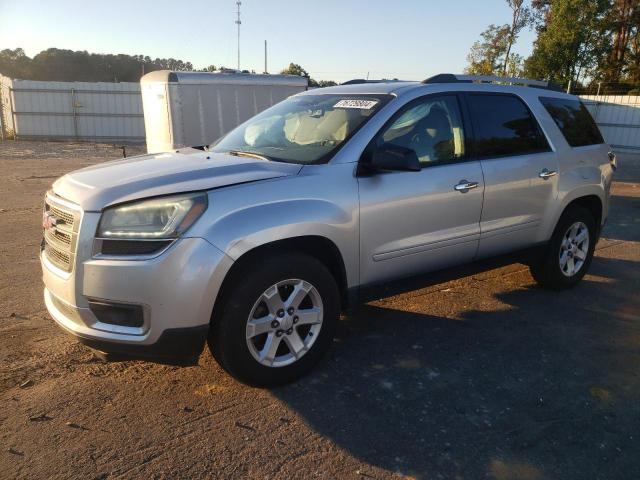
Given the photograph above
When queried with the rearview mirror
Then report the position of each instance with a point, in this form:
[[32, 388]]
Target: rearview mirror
[[392, 157]]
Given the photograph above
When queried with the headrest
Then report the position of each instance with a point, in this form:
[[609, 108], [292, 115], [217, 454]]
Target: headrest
[[437, 119]]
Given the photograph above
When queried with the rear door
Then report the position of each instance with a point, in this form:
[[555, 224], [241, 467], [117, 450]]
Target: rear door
[[520, 172], [413, 222]]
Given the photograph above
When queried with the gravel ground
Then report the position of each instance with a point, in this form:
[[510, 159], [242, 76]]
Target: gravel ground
[[480, 376]]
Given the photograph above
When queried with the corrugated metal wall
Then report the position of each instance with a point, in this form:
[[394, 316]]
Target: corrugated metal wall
[[96, 111], [618, 117]]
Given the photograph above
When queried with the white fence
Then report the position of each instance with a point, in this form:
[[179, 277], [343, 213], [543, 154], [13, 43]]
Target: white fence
[[94, 111], [100, 111], [618, 117]]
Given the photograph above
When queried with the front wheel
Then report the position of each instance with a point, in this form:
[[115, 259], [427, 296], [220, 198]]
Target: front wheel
[[569, 252], [276, 320]]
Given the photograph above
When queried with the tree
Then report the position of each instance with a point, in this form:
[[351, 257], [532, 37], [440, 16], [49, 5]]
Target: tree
[[515, 66], [325, 83], [295, 69], [621, 29], [69, 65], [492, 54], [568, 45], [520, 18], [14, 63], [633, 61], [540, 14], [487, 56]]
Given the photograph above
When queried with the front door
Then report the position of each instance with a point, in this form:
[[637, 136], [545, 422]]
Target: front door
[[414, 222]]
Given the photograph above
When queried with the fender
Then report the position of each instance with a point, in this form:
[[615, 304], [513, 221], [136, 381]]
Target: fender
[[569, 193], [243, 217], [251, 227]]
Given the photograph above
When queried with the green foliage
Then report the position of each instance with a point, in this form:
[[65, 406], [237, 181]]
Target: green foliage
[[14, 63], [621, 49], [568, 44], [582, 41], [295, 69], [324, 83], [520, 18], [515, 65], [487, 55], [492, 55], [80, 66]]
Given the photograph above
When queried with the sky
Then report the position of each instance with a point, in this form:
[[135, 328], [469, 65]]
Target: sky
[[331, 39]]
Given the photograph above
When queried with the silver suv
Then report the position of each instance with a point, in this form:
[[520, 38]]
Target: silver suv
[[257, 242]]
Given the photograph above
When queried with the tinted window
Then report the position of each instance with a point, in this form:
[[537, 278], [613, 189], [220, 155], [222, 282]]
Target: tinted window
[[504, 126], [574, 120], [431, 127]]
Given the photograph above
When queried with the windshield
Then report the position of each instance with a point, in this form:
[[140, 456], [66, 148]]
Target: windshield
[[302, 129]]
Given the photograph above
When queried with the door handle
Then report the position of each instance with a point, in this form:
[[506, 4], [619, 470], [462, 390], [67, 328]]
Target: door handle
[[545, 173], [464, 186]]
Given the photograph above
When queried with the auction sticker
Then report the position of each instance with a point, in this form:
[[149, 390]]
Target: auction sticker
[[361, 104]]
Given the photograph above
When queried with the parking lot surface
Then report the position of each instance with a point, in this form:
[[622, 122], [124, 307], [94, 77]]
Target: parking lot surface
[[481, 376]]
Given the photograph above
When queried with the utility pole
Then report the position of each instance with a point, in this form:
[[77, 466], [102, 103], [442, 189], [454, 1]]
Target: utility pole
[[238, 22], [265, 57]]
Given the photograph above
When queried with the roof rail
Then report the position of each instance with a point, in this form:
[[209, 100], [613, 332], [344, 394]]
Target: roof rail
[[451, 78], [356, 81]]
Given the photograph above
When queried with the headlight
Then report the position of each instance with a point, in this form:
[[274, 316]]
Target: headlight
[[157, 218]]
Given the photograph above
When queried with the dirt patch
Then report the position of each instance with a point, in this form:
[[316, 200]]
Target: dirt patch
[[483, 376]]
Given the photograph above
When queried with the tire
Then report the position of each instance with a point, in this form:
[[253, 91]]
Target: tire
[[550, 271], [258, 292]]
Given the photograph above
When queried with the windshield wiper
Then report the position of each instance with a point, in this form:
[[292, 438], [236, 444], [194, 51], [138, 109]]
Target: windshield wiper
[[240, 153]]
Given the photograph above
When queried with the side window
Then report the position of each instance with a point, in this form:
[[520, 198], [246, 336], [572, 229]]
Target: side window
[[503, 126], [432, 128], [573, 120]]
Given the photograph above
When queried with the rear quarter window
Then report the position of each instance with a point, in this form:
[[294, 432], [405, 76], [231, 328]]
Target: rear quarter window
[[574, 121]]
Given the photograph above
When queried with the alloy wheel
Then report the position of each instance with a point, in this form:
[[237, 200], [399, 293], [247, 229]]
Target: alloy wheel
[[574, 249], [284, 323]]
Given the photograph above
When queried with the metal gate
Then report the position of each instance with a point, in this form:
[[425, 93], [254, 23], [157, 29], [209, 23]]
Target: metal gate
[[93, 111], [618, 117]]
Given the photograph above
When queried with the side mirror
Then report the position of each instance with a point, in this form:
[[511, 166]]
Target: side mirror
[[389, 157]]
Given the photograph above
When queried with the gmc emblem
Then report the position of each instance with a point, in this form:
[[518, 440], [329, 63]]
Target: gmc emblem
[[49, 222]]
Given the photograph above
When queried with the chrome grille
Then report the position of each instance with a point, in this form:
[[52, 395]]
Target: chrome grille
[[58, 258], [61, 236], [62, 216]]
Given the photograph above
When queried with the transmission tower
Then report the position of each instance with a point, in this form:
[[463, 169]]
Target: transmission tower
[[238, 22]]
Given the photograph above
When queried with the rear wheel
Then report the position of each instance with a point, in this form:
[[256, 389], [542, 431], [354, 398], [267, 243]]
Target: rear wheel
[[569, 252], [276, 320]]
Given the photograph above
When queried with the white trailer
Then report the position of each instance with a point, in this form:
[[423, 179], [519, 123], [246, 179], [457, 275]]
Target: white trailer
[[196, 108]]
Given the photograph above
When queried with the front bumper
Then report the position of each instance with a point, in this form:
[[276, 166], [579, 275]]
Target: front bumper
[[176, 292], [175, 345]]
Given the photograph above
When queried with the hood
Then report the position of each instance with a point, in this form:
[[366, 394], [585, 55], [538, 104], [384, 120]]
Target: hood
[[185, 170]]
